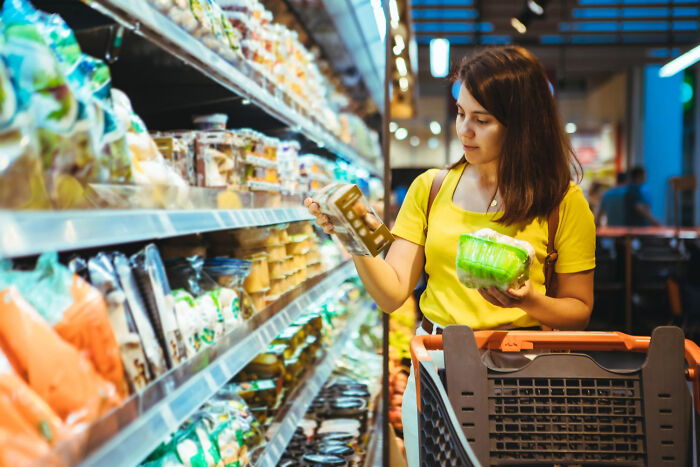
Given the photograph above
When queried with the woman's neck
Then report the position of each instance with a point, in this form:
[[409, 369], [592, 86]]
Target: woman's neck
[[486, 175]]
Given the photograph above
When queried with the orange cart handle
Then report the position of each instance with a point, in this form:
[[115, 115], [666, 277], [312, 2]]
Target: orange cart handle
[[515, 341]]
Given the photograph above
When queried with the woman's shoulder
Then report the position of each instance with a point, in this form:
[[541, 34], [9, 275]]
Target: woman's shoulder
[[574, 201], [573, 193]]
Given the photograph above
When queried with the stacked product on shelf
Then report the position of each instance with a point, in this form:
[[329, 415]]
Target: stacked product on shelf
[[110, 324], [230, 426]]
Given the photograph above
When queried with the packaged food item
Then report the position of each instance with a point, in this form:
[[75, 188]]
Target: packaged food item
[[216, 159], [266, 365], [151, 346], [316, 459], [104, 278], [210, 122], [194, 328], [179, 149], [155, 290], [487, 258], [355, 222], [227, 407], [259, 393], [59, 373]]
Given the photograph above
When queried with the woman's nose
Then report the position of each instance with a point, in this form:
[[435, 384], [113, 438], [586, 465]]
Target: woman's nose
[[465, 129]]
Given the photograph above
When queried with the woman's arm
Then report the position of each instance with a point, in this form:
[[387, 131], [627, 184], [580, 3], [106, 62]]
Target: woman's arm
[[390, 281], [570, 310]]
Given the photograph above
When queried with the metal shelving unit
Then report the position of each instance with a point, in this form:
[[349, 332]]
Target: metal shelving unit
[[143, 19], [33, 232], [149, 417], [283, 428]]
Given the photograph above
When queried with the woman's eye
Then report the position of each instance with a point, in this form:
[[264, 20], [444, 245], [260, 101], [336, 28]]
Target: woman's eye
[[481, 122]]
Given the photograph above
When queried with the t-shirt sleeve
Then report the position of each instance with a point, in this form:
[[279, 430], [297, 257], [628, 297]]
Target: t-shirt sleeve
[[410, 222], [575, 239]]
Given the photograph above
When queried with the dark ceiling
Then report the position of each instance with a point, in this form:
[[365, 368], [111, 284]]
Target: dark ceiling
[[581, 42]]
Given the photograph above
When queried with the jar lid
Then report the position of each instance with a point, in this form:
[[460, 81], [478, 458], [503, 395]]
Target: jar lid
[[317, 459]]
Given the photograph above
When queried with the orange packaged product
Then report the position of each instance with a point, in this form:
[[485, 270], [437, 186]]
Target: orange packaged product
[[86, 326], [61, 375]]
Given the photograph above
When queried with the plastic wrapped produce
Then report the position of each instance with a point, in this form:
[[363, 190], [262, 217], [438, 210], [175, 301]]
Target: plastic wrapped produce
[[59, 373], [104, 277], [61, 109], [487, 258]]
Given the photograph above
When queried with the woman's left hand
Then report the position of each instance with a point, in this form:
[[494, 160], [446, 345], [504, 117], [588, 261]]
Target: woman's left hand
[[511, 298]]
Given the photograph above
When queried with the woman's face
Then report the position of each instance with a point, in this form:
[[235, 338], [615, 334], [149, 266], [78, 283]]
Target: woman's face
[[480, 133]]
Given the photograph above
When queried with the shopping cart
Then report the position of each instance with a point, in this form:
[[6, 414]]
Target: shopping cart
[[562, 407]]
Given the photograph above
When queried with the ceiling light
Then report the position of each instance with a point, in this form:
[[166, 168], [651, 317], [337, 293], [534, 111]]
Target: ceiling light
[[435, 127], [379, 18], [393, 126], [536, 7], [400, 44], [433, 143], [403, 83], [518, 25], [680, 63], [571, 127], [439, 57], [401, 66], [401, 134], [414, 141], [394, 14]]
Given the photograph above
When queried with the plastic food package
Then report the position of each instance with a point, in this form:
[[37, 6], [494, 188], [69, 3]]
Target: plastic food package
[[487, 258], [75, 310], [260, 393], [28, 426], [190, 322], [356, 224], [150, 275], [60, 374], [61, 107], [104, 277], [152, 349], [210, 122], [215, 160], [179, 149]]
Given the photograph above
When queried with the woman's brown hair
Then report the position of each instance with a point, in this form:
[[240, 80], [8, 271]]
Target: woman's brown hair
[[534, 168]]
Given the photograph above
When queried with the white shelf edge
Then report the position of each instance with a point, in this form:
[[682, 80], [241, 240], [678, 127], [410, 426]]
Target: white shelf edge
[[305, 395], [25, 233], [144, 19]]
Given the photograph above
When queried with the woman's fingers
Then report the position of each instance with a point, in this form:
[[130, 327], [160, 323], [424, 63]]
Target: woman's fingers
[[312, 206]]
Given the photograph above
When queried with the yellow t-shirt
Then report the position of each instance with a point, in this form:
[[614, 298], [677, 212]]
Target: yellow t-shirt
[[445, 300]]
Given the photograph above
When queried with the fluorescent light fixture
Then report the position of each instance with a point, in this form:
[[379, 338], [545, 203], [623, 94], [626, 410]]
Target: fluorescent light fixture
[[393, 126], [435, 127], [518, 25], [433, 143], [535, 7], [570, 127], [400, 44], [403, 84], [680, 63], [379, 18], [401, 134], [439, 57], [401, 66], [414, 141], [394, 14]]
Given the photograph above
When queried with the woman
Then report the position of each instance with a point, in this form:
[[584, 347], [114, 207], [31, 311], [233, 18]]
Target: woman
[[515, 172]]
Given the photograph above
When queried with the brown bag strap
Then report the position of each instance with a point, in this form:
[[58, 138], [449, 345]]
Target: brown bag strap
[[434, 189], [551, 258]]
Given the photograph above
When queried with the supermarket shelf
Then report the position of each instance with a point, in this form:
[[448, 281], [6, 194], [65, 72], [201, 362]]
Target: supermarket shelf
[[131, 432], [283, 428], [142, 18], [33, 232], [375, 448]]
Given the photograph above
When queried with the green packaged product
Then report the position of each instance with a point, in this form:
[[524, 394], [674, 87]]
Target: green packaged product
[[487, 258]]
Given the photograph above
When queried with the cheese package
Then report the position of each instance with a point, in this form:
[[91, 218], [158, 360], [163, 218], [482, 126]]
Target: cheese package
[[487, 258], [356, 224]]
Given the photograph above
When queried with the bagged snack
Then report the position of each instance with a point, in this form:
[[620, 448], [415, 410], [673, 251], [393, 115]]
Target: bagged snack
[[104, 277], [60, 374], [152, 349], [356, 224], [487, 258], [60, 105], [75, 310], [194, 332], [150, 275]]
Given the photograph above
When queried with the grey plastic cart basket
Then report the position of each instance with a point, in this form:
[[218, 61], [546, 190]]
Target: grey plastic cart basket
[[560, 408]]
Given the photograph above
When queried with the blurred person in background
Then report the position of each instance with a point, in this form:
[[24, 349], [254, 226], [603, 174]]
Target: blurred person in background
[[637, 201], [595, 194], [611, 210]]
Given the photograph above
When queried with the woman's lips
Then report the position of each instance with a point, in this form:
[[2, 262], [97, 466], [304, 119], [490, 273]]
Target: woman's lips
[[470, 148]]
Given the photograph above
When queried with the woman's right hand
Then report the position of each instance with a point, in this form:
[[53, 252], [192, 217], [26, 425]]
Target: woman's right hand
[[321, 219]]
